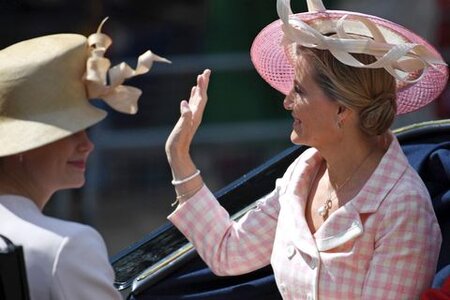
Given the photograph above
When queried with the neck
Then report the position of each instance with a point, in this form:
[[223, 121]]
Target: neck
[[352, 158], [14, 182]]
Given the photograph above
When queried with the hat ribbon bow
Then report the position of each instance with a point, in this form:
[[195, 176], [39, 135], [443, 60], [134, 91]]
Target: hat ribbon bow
[[400, 60], [120, 97]]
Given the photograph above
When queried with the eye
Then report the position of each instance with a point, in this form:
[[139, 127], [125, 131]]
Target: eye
[[298, 89]]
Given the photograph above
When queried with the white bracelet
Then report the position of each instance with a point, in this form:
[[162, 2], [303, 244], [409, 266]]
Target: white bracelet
[[181, 181]]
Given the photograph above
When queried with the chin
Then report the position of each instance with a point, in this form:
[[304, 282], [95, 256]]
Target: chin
[[80, 184], [296, 139], [77, 183], [299, 140], [69, 186]]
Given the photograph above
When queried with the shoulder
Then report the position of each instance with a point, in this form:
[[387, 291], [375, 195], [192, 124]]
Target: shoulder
[[74, 238], [61, 231], [81, 266], [40, 235], [59, 254], [408, 208], [409, 193], [31, 224], [49, 241], [65, 228], [65, 244], [80, 243], [399, 185]]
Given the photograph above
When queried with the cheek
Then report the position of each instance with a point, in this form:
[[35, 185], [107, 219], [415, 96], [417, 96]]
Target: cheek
[[308, 115], [45, 167], [320, 126], [299, 109]]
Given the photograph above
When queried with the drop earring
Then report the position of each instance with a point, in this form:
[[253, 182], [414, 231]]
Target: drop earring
[[21, 158]]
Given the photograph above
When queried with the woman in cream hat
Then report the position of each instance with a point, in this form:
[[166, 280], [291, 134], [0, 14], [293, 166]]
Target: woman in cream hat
[[350, 218], [45, 87]]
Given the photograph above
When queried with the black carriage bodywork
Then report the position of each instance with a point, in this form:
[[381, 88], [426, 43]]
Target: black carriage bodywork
[[164, 265]]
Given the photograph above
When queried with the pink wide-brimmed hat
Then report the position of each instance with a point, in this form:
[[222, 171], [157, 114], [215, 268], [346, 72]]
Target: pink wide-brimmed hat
[[419, 69]]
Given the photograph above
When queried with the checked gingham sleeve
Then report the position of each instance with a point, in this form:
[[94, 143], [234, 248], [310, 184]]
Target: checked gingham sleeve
[[228, 247], [406, 250]]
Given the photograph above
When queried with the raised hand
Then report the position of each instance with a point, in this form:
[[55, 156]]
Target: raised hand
[[191, 114], [180, 139]]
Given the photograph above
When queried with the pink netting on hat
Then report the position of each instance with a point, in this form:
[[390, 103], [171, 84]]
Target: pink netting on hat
[[271, 62]]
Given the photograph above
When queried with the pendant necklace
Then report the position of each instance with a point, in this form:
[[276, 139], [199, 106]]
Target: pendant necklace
[[324, 210]]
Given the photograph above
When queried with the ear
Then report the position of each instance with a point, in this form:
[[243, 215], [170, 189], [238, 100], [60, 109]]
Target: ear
[[342, 114]]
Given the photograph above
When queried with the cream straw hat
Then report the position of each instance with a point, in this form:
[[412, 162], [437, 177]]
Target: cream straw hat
[[420, 71], [45, 84]]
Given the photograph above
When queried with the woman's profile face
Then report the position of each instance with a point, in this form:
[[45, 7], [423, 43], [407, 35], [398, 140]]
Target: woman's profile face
[[61, 164], [314, 113]]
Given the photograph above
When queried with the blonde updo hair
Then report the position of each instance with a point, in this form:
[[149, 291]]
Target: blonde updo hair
[[369, 92]]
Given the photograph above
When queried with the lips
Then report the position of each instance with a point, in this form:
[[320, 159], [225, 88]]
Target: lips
[[79, 164], [296, 120]]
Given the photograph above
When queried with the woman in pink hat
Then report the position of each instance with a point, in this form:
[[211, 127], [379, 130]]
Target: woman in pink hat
[[45, 87], [350, 218]]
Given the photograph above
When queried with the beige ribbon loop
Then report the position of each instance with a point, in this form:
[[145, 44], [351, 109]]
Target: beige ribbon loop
[[315, 6], [100, 41], [115, 98], [284, 10], [398, 59], [122, 71], [119, 97]]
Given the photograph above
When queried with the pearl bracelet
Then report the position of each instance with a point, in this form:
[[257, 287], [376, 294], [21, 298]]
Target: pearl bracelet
[[184, 180]]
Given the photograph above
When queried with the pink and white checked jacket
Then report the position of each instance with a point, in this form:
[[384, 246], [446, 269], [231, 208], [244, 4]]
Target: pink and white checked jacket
[[383, 244]]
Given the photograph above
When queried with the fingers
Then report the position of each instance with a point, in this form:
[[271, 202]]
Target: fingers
[[185, 112], [199, 92], [202, 83], [191, 114], [184, 108], [203, 80]]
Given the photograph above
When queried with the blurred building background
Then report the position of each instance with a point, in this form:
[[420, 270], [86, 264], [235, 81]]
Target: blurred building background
[[128, 191]]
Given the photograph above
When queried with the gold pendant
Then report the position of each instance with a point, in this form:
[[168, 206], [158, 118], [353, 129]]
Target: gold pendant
[[324, 209]]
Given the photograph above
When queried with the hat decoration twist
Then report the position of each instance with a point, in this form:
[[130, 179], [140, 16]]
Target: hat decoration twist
[[120, 97], [406, 61]]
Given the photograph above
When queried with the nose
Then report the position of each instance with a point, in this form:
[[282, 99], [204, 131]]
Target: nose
[[287, 102], [84, 143]]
